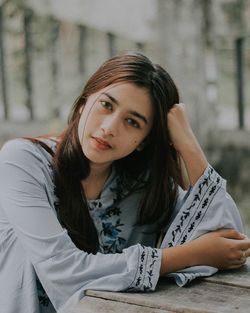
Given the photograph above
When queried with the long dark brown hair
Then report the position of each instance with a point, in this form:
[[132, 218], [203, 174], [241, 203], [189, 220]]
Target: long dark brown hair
[[158, 161]]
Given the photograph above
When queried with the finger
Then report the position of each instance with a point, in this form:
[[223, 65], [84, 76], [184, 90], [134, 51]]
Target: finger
[[244, 245], [239, 262], [182, 105], [247, 252], [236, 265], [231, 234], [240, 256], [177, 106]]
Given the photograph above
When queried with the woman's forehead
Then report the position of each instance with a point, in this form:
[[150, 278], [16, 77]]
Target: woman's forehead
[[125, 89]]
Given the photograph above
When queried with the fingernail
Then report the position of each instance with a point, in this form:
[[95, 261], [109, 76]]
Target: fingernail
[[243, 235]]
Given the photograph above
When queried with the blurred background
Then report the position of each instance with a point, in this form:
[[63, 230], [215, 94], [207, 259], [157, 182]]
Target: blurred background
[[49, 48]]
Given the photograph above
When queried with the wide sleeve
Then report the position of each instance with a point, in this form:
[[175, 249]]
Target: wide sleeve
[[204, 207], [64, 271]]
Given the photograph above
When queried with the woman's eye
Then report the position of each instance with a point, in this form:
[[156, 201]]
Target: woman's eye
[[106, 105], [133, 123]]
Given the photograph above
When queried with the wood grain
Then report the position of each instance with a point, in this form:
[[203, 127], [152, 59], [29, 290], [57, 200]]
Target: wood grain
[[225, 292]]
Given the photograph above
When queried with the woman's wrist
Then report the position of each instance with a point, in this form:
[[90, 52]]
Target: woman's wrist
[[195, 161], [177, 258]]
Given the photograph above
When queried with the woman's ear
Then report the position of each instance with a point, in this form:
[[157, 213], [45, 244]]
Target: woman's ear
[[141, 146], [81, 109], [144, 143]]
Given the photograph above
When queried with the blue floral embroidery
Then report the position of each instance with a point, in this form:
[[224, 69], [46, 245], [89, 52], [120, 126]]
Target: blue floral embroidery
[[118, 190], [42, 296], [111, 227], [111, 230], [114, 242], [111, 211]]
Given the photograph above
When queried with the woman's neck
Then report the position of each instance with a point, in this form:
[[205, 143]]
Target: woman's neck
[[93, 184], [98, 171]]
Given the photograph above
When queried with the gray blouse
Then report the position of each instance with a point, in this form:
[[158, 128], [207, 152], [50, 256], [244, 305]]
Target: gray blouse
[[41, 270]]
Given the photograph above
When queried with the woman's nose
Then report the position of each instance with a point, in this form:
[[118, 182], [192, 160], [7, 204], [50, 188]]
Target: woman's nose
[[110, 125]]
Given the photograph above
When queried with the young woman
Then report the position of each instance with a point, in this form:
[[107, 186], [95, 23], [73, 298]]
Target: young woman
[[84, 210]]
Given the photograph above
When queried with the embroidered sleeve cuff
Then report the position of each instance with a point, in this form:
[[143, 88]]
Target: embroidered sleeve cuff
[[195, 207], [211, 175], [148, 269]]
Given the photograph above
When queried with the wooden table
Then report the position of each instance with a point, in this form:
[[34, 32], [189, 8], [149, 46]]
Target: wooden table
[[227, 291]]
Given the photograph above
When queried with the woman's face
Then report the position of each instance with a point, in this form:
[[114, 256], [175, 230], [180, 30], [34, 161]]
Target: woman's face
[[114, 122]]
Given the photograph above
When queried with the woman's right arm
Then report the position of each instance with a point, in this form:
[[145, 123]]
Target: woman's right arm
[[64, 271], [221, 249]]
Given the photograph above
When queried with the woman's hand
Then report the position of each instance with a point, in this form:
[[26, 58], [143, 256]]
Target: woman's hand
[[223, 249], [185, 142], [181, 133]]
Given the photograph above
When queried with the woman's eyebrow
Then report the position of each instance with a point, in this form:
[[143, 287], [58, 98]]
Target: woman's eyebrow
[[110, 97], [136, 114]]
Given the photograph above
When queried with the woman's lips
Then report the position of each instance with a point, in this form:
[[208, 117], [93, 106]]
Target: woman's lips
[[101, 144]]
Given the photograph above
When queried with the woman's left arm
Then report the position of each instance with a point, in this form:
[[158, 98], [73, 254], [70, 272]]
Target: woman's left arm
[[185, 143], [207, 195], [205, 208]]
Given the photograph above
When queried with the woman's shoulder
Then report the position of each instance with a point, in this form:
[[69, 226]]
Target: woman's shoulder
[[16, 146], [27, 144], [22, 151]]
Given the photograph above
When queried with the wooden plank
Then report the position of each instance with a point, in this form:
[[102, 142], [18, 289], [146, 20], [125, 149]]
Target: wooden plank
[[199, 297], [95, 305], [239, 277], [225, 292]]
